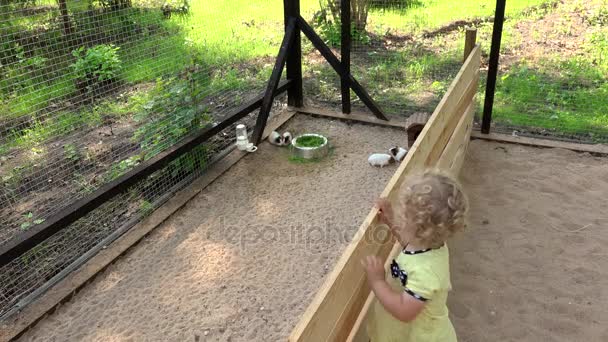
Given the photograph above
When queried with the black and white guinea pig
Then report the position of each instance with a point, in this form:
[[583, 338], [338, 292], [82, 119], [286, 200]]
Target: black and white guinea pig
[[287, 138], [398, 153], [275, 138]]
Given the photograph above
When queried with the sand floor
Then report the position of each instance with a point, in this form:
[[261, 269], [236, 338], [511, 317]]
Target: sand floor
[[243, 259], [533, 265]]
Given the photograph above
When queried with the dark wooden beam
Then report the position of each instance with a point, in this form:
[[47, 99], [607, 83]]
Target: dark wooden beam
[[499, 18], [22, 243], [295, 94], [345, 47], [273, 83], [337, 66]]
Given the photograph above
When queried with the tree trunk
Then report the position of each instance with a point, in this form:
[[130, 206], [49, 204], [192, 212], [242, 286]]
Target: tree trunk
[[65, 17], [360, 10]]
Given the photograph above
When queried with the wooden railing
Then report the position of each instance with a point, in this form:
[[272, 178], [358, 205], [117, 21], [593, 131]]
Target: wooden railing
[[338, 311]]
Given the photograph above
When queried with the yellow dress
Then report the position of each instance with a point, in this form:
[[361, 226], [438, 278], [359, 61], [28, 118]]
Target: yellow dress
[[425, 275]]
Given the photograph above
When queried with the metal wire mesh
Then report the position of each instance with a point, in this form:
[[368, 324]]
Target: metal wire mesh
[[88, 97], [553, 77], [41, 267], [553, 67], [90, 89], [396, 56]]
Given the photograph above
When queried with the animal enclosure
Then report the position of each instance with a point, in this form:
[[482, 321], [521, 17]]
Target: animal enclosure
[[111, 108]]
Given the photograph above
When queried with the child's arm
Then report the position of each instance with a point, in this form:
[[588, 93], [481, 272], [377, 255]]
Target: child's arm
[[401, 305]]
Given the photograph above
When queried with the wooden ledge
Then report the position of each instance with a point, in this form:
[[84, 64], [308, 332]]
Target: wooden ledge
[[544, 143]]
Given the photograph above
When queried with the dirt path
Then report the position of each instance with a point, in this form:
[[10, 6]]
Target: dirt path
[[243, 259], [532, 265]]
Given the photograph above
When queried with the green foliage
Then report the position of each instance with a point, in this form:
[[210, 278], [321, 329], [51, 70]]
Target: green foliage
[[24, 71], [309, 141], [71, 153], [30, 221], [327, 22], [598, 46], [175, 110], [170, 7], [38, 251], [567, 96], [122, 167], [113, 5], [146, 208], [600, 16], [96, 65], [13, 178], [64, 123]]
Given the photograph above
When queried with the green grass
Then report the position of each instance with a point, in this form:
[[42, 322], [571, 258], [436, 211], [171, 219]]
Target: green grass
[[309, 141], [426, 15], [571, 102]]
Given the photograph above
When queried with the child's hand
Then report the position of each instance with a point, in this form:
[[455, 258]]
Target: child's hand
[[374, 267], [385, 211]]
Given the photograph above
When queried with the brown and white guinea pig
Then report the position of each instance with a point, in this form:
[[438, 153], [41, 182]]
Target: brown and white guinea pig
[[275, 138], [286, 138], [398, 153]]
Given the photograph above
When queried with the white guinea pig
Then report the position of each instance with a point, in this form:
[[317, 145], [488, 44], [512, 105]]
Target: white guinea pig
[[380, 159]]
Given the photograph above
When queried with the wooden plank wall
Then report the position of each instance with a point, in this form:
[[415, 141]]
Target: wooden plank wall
[[338, 304]]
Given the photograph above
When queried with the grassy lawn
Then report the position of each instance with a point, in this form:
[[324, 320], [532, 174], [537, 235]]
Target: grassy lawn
[[426, 15], [555, 80]]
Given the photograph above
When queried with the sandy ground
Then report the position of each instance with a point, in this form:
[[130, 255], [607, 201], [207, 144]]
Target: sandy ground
[[533, 265], [243, 259]]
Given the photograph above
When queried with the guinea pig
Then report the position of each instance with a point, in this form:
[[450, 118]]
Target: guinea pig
[[275, 138], [286, 138], [398, 153], [379, 159]]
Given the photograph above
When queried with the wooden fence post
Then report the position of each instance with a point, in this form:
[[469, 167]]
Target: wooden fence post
[[345, 18], [469, 43], [295, 94]]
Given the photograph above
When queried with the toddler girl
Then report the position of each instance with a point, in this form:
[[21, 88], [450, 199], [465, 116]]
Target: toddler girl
[[411, 301]]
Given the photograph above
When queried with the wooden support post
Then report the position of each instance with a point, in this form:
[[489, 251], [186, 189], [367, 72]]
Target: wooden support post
[[295, 94], [345, 54], [337, 66], [273, 83], [499, 18], [470, 41]]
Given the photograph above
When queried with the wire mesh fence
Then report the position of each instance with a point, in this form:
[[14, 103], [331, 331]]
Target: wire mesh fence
[[553, 77], [91, 89], [400, 57], [553, 67], [41, 267]]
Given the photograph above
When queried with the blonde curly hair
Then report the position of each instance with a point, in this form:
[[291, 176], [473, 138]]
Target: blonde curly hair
[[435, 207]]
